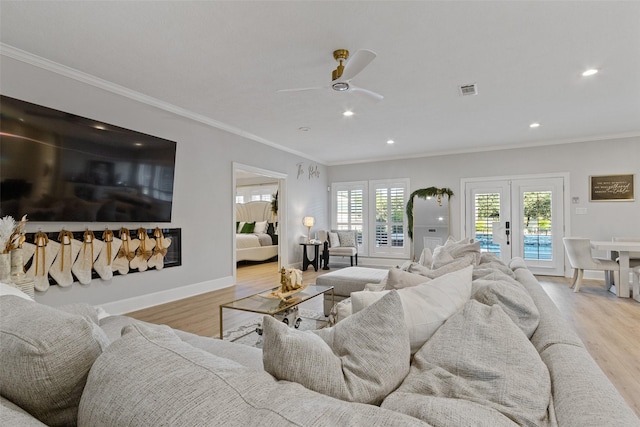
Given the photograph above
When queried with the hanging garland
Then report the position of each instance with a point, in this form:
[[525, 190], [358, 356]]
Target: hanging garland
[[423, 193], [274, 203]]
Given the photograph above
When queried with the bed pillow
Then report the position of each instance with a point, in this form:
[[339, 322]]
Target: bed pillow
[[363, 358], [261, 227], [248, 227], [46, 357]]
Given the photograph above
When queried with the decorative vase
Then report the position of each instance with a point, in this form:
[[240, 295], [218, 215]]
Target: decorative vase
[[5, 267]]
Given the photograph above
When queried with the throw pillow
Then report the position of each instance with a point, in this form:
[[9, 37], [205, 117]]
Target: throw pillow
[[260, 227], [361, 359], [340, 311], [240, 225], [150, 377], [399, 279], [248, 227], [498, 288], [46, 357], [6, 289], [453, 250], [478, 369], [347, 238], [426, 258], [334, 241], [426, 306]]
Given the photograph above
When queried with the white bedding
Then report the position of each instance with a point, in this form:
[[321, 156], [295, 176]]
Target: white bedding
[[252, 240]]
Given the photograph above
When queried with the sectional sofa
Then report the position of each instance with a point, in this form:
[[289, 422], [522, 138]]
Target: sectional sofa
[[479, 345]]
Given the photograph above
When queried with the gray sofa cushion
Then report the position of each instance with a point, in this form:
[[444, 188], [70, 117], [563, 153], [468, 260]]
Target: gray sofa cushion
[[361, 359], [149, 377], [45, 358], [478, 368]]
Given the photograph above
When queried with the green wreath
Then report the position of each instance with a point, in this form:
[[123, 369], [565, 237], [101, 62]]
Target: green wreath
[[423, 193]]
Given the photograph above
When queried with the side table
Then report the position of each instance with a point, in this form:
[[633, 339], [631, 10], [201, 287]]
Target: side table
[[306, 262]]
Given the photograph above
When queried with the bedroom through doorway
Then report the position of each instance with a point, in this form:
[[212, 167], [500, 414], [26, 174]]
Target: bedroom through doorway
[[257, 215]]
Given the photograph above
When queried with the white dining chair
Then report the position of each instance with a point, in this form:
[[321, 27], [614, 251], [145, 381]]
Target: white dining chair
[[636, 282], [579, 253]]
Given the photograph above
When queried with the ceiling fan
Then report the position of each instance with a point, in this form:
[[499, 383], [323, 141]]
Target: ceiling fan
[[341, 77]]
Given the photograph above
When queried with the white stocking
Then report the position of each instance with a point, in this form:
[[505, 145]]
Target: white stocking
[[126, 253], [28, 249], [144, 251], [44, 255], [61, 267], [91, 248], [104, 264], [160, 251]]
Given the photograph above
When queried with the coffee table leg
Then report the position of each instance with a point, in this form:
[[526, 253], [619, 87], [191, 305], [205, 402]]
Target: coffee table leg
[[221, 328]]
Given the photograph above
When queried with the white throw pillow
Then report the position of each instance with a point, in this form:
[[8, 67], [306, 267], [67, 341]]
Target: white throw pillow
[[261, 227], [399, 279], [6, 289], [427, 306], [240, 225], [361, 359], [334, 241]]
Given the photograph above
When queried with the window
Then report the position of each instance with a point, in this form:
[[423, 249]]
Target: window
[[349, 209], [390, 227], [376, 210]]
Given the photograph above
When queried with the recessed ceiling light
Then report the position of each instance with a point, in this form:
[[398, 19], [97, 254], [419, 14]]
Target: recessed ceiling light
[[590, 72], [101, 127], [391, 141], [348, 113], [138, 144], [534, 125]]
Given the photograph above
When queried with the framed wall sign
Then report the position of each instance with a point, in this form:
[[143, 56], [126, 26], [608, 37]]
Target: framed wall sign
[[611, 188]]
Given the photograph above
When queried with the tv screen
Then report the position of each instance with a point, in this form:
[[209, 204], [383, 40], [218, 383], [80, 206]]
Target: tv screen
[[56, 166]]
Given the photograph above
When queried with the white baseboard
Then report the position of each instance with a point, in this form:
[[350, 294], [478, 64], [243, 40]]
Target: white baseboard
[[149, 300]]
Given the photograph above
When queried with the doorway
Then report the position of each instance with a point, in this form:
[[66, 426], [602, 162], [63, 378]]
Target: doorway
[[252, 184], [519, 217]]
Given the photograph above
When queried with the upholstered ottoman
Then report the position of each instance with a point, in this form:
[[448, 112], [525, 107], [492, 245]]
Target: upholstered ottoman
[[347, 280]]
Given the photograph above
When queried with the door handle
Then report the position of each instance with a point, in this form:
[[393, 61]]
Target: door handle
[[507, 231]]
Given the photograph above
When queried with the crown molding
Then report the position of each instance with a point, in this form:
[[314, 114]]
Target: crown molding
[[54, 67]]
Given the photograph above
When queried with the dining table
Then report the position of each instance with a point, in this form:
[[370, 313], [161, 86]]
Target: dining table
[[623, 249]]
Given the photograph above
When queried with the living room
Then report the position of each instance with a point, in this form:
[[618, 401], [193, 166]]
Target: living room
[[48, 73]]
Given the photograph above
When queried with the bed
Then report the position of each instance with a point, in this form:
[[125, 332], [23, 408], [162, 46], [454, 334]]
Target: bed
[[261, 243]]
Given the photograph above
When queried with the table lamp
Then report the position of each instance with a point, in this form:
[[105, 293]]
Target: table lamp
[[308, 221]]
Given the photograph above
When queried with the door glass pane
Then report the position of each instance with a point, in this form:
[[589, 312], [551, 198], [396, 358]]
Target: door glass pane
[[487, 211], [537, 225]]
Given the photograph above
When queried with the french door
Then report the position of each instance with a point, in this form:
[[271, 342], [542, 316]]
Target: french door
[[519, 218]]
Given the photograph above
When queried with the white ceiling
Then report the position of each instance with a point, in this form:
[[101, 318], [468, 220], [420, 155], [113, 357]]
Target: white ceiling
[[225, 62]]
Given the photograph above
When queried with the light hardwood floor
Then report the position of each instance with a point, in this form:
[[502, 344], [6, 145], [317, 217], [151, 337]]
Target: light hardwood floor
[[608, 326]]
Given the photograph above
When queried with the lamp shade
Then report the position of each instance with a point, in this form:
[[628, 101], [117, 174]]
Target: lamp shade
[[308, 221]]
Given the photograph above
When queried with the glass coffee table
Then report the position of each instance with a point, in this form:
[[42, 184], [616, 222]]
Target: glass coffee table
[[264, 303]]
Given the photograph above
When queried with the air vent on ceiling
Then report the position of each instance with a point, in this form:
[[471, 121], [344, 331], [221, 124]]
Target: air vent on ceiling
[[471, 89]]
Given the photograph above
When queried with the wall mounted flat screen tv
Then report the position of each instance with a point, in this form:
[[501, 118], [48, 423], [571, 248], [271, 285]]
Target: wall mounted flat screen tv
[[56, 166]]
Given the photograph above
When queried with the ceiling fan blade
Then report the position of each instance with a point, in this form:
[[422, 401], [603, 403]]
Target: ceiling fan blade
[[357, 63], [371, 94], [301, 89]]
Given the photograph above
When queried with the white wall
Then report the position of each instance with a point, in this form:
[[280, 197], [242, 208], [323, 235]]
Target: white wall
[[203, 193], [603, 219]]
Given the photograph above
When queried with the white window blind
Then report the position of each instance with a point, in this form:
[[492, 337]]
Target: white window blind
[[389, 225], [349, 213]]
